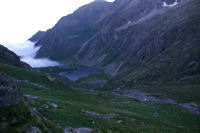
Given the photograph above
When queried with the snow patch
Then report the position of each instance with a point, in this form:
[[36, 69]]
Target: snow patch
[[170, 5]]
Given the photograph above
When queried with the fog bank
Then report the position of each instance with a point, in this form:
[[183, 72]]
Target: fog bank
[[27, 51]]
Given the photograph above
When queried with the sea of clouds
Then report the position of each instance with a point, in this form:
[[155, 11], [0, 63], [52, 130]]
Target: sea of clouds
[[27, 51]]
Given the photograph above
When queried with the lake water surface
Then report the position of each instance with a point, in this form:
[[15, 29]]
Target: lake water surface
[[75, 74]]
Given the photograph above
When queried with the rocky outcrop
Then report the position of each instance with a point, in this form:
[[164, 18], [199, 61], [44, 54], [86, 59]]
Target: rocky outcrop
[[72, 31], [77, 130], [33, 130], [101, 116], [36, 37], [10, 58], [9, 93]]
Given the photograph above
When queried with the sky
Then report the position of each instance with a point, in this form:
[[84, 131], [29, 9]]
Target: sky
[[20, 19]]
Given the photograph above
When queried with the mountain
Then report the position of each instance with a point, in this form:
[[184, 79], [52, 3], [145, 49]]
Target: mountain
[[36, 37], [67, 36], [122, 35], [147, 45], [150, 52], [10, 58]]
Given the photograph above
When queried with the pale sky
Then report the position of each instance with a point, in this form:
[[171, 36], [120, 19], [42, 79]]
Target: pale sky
[[20, 19]]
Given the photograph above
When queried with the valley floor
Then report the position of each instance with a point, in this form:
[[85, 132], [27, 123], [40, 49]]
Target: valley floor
[[70, 108]]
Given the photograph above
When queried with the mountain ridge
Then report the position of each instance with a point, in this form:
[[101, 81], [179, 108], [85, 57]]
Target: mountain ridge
[[128, 34], [10, 58]]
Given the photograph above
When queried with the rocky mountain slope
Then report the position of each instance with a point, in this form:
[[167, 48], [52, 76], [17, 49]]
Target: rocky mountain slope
[[49, 103], [140, 43], [10, 95], [36, 37], [149, 48], [68, 35], [10, 58], [16, 116], [122, 35]]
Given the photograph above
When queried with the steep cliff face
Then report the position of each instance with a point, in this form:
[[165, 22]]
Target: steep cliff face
[[37, 36], [10, 58], [123, 35], [9, 93], [137, 41], [66, 37]]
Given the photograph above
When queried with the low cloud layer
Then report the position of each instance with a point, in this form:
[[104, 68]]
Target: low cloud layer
[[27, 52]]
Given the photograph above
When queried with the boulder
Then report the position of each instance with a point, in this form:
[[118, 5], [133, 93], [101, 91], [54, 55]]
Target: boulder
[[54, 105], [82, 130], [9, 93], [33, 130]]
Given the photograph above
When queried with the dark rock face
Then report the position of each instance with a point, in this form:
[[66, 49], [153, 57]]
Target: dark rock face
[[9, 93], [72, 31], [36, 37], [10, 58], [123, 35]]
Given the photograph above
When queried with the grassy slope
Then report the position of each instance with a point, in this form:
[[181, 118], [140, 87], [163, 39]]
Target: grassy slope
[[166, 74], [92, 81], [18, 118], [72, 101]]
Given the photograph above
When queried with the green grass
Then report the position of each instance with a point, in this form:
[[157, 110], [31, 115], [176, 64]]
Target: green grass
[[71, 101], [92, 81], [31, 75], [18, 118], [167, 74], [183, 93]]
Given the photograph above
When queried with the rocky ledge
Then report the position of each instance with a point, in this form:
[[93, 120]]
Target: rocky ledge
[[10, 58], [9, 93]]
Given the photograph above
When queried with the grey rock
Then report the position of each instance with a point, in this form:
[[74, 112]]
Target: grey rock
[[193, 107], [9, 93], [36, 37], [119, 121], [109, 131], [30, 97], [31, 83], [102, 116], [93, 122], [82, 130], [68, 130], [45, 106], [181, 126], [132, 119], [50, 78], [33, 111], [155, 114], [193, 67], [33, 130], [54, 105]]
